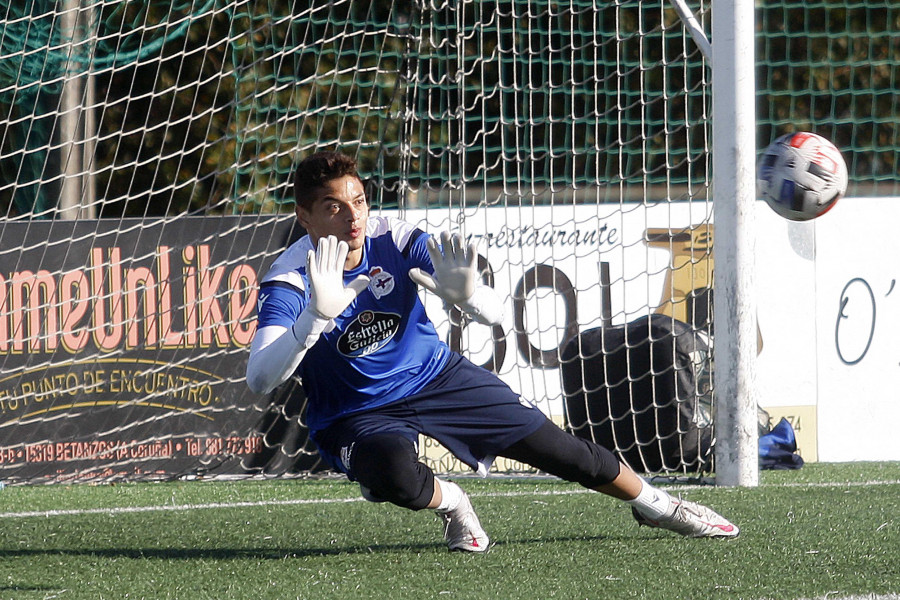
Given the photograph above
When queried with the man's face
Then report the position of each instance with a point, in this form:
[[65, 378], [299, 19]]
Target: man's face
[[338, 208]]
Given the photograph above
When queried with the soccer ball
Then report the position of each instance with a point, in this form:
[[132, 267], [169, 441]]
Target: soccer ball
[[801, 176]]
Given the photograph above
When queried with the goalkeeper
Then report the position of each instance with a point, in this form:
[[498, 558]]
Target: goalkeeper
[[340, 309]]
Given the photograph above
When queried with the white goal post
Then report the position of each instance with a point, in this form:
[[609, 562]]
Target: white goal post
[[734, 193]]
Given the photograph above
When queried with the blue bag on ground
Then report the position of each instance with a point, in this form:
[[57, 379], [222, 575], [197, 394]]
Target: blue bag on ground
[[777, 449]]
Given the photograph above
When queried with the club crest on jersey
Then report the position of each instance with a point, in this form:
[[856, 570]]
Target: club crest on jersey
[[382, 282], [368, 333]]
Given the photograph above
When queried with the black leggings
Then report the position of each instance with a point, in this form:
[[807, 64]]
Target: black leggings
[[554, 451], [387, 468], [387, 465]]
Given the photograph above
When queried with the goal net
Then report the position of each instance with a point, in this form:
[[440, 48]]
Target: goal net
[[146, 151]]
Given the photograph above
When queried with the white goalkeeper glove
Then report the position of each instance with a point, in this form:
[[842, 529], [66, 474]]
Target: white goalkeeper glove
[[455, 279], [325, 270], [275, 354], [455, 269]]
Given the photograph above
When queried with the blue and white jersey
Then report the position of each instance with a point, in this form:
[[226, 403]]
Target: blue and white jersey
[[383, 347]]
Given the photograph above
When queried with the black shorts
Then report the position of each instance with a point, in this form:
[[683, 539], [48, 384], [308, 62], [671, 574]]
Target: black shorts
[[466, 408]]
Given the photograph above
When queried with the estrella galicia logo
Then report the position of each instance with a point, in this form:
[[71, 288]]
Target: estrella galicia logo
[[368, 333]]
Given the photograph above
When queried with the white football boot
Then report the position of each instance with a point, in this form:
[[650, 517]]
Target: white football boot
[[462, 530], [691, 520]]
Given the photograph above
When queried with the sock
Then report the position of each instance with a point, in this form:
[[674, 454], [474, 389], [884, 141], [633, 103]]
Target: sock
[[651, 502], [451, 495]]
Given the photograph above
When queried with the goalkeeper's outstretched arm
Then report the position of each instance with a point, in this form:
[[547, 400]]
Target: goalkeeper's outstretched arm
[[456, 281], [276, 351]]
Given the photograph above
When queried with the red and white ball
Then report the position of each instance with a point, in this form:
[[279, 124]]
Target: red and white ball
[[801, 176]]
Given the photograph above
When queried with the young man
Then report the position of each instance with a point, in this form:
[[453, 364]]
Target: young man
[[340, 308]]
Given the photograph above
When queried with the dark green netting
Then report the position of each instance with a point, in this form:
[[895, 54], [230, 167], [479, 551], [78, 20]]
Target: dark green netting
[[203, 106]]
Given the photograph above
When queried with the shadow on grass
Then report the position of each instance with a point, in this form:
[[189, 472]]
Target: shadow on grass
[[281, 553], [215, 553], [27, 588]]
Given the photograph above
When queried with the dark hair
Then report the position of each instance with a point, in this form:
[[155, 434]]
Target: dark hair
[[316, 170]]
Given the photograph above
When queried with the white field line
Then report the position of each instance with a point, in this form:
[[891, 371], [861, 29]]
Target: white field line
[[831, 596], [299, 502]]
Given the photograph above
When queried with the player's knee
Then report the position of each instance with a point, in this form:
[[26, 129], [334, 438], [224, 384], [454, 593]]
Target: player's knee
[[594, 466], [387, 467]]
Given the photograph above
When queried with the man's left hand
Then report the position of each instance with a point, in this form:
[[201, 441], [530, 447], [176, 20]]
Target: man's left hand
[[455, 269]]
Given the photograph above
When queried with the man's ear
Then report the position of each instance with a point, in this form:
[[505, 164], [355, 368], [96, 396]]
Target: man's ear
[[302, 215]]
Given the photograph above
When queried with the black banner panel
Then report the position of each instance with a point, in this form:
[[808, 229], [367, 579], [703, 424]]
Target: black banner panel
[[123, 346]]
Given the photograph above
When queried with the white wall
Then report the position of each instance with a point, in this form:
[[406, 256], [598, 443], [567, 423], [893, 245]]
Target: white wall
[[857, 316], [828, 307]]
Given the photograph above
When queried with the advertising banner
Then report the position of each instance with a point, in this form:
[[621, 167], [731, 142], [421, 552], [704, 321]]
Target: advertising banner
[[123, 345]]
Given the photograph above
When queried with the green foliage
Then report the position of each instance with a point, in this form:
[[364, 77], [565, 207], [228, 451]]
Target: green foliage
[[125, 52], [833, 68], [205, 106]]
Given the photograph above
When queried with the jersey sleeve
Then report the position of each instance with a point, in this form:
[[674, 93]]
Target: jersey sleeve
[[416, 251], [279, 303], [283, 292], [408, 239]]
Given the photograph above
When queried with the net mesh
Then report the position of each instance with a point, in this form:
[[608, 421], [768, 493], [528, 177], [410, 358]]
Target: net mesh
[[146, 150], [831, 68]]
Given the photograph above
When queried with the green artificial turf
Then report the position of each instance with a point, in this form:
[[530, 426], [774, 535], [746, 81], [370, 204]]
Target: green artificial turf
[[827, 529]]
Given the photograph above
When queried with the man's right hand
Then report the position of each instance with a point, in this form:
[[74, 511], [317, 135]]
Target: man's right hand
[[325, 270]]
